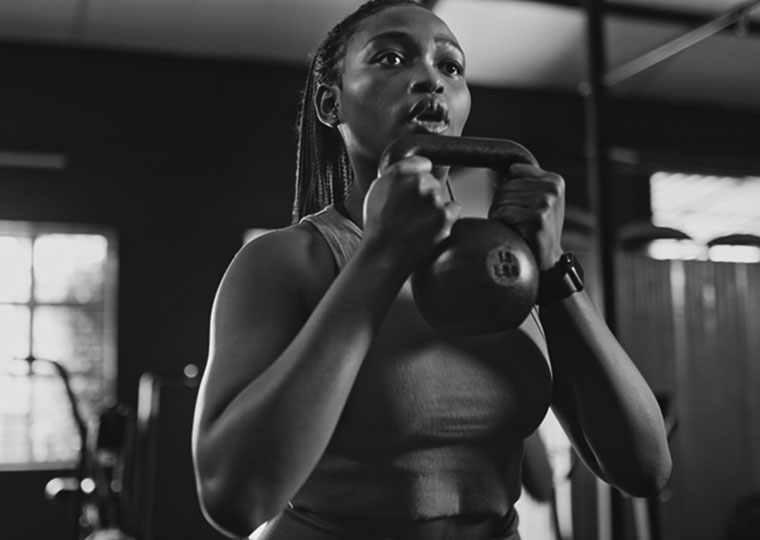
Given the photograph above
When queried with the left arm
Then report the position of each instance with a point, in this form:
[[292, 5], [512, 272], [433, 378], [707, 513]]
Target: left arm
[[604, 404]]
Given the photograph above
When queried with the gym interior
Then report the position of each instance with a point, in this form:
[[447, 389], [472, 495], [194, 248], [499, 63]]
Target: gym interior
[[144, 142]]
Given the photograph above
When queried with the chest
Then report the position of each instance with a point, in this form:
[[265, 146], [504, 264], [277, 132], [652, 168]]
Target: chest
[[418, 386]]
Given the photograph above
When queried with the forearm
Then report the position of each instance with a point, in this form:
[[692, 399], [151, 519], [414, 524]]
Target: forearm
[[272, 434], [616, 410]]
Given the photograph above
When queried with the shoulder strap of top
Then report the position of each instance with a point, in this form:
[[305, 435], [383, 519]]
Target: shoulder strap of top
[[340, 233]]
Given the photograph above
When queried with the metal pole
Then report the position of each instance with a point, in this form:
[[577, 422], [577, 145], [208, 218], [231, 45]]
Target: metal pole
[[599, 188], [679, 44], [600, 204]]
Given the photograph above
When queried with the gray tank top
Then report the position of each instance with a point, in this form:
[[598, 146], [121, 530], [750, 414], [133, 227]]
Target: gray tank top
[[434, 424]]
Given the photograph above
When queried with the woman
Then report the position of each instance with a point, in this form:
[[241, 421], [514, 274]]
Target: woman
[[329, 407]]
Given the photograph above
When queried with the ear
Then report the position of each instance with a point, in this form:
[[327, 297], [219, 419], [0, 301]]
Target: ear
[[326, 103]]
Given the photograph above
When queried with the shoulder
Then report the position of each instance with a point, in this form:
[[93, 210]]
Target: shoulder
[[293, 258], [298, 247]]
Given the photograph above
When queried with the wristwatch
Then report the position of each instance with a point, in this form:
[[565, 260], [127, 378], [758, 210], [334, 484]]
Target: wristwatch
[[560, 281]]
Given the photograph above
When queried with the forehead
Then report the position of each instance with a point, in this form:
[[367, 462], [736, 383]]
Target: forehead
[[412, 20]]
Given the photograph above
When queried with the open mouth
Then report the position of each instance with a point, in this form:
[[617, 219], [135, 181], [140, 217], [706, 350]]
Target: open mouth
[[429, 115]]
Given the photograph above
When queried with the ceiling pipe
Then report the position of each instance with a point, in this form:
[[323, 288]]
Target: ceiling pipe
[[679, 44], [652, 13]]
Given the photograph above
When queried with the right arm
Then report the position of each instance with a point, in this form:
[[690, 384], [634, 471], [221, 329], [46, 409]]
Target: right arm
[[277, 378]]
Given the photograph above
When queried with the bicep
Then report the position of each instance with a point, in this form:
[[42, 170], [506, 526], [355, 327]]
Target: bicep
[[257, 311]]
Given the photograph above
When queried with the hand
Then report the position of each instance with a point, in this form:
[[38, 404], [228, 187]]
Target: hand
[[407, 207], [532, 201]]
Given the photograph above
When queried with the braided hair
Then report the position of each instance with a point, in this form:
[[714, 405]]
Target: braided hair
[[323, 171]]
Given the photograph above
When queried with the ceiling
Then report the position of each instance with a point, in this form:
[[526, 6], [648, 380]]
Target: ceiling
[[509, 43]]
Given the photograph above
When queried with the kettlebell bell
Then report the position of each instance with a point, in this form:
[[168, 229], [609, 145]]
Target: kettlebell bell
[[483, 277]]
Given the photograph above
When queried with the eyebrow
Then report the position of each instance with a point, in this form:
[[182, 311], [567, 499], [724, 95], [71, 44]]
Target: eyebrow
[[397, 35]]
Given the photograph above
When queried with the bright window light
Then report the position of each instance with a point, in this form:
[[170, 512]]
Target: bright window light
[[667, 249], [57, 302], [745, 254], [706, 208]]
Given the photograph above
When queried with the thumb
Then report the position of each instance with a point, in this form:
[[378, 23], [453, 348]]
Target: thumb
[[452, 211]]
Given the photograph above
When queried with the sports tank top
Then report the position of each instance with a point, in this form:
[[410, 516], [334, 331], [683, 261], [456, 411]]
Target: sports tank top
[[434, 424]]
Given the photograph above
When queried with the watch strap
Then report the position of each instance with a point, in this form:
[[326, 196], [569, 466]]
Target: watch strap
[[560, 281]]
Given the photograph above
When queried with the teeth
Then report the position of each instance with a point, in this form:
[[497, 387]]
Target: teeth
[[428, 111], [429, 116], [429, 126]]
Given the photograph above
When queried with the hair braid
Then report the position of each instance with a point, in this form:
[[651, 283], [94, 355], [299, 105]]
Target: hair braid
[[323, 170]]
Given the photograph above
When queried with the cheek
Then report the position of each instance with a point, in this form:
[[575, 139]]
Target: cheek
[[369, 112], [365, 99], [461, 109]]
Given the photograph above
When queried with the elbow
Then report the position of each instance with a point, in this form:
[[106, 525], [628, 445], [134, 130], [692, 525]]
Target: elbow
[[231, 504], [220, 504], [648, 480], [231, 512], [222, 514]]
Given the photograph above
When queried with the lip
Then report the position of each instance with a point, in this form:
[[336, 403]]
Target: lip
[[429, 115], [434, 128]]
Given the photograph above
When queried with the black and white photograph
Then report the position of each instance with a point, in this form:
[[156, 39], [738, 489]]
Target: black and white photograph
[[380, 269]]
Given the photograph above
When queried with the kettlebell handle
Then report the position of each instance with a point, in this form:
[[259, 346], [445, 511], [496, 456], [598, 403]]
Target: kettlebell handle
[[497, 154]]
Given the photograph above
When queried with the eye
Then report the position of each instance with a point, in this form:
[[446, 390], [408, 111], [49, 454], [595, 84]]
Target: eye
[[389, 58], [452, 68]]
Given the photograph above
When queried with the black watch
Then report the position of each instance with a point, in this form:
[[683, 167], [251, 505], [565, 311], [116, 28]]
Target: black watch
[[560, 281]]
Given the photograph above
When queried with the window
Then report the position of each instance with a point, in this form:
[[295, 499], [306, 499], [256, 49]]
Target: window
[[57, 302], [710, 210]]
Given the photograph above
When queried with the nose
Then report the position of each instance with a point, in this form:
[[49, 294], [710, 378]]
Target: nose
[[427, 79]]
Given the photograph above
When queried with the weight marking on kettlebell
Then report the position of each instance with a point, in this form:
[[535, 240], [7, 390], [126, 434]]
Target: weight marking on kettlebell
[[503, 266]]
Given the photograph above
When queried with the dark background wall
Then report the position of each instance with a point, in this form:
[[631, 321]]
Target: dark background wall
[[180, 156]]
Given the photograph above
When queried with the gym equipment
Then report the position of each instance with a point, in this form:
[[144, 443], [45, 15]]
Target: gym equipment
[[137, 481], [483, 278], [159, 496]]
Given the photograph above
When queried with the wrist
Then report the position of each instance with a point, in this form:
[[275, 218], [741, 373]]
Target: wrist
[[386, 258], [560, 281]]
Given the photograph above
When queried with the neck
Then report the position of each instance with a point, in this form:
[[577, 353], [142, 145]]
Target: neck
[[365, 172]]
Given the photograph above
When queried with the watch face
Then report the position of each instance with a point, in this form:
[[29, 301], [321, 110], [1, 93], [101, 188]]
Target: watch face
[[564, 279], [573, 269]]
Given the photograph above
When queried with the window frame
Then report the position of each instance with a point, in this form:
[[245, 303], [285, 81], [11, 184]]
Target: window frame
[[33, 230]]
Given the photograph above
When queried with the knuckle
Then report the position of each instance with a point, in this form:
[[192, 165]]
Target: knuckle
[[424, 185], [418, 163], [406, 166], [557, 183], [392, 171]]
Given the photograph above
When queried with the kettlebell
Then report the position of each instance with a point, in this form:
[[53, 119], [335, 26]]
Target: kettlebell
[[483, 277]]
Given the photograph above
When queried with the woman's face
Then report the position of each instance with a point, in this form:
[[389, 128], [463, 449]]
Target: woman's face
[[403, 73]]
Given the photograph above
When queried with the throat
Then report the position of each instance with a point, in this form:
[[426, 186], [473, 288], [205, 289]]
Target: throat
[[352, 209], [340, 206]]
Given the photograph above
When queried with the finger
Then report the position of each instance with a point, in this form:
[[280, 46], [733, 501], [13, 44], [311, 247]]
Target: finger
[[526, 220], [546, 184], [411, 165], [429, 185], [452, 212], [528, 230], [540, 197], [525, 170], [530, 201]]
